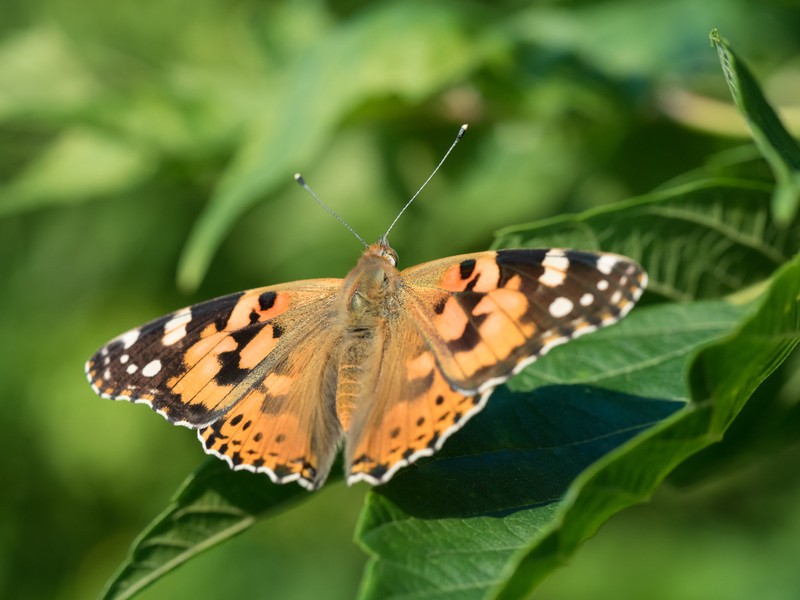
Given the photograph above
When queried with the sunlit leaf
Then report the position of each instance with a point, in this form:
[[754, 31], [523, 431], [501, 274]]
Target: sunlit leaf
[[511, 475], [776, 144], [698, 240]]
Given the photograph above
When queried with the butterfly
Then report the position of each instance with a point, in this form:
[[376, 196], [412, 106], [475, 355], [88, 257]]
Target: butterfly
[[390, 362]]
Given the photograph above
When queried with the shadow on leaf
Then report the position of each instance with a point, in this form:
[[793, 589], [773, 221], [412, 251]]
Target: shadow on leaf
[[522, 451]]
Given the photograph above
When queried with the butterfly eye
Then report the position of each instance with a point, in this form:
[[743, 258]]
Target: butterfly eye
[[392, 256]]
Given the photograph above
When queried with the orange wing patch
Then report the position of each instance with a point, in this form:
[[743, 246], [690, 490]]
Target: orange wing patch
[[225, 351], [189, 365], [274, 441], [410, 428], [472, 332], [216, 364], [285, 424], [487, 315], [475, 274], [406, 408]]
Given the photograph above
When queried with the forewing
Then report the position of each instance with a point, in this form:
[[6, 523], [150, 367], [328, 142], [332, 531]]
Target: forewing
[[233, 367], [488, 315]]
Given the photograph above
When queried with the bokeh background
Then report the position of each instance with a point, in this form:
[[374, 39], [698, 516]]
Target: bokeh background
[[146, 155]]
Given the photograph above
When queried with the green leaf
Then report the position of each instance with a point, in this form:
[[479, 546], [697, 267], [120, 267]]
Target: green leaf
[[519, 456], [80, 164], [768, 424], [619, 38], [503, 505], [701, 239], [314, 103], [213, 505], [730, 371], [644, 355], [32, 57], [776, 144]]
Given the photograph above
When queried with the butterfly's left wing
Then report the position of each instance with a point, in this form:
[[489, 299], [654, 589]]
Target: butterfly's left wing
[[253, 372], [466, 324]]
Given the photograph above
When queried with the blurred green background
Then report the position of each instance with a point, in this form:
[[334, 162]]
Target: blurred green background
[[146, 155]]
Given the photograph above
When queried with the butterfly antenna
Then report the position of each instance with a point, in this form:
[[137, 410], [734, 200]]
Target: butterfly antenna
[[299, 179], [422, 187]]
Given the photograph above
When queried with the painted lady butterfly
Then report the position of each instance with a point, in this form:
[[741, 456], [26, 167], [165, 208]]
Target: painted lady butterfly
[[274, 378]]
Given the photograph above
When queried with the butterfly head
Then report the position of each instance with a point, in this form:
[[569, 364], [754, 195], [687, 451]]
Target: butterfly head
[[382, 250], [371, 283]]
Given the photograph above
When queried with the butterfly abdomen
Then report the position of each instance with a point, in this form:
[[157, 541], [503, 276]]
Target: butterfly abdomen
[[353, 371]]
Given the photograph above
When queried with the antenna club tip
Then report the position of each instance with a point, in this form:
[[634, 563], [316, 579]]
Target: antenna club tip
[[299, 179], [461, 131]]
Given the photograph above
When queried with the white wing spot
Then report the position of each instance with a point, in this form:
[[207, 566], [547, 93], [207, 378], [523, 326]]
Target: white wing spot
[[606, 263], [616, 297], [602, 285], [555, 270], [129, 339], [107, 374], [124, 358], [132, 369], [151, 368], [175, 328], [586, 299], [561, 307], [552, 278]]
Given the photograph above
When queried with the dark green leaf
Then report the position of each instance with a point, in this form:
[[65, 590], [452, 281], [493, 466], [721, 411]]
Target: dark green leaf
[[723, 376], [497, 484], [698, 240], [643, 355], [778, 146], [213, 505], [730, 371], [768, 423], [503, 505]]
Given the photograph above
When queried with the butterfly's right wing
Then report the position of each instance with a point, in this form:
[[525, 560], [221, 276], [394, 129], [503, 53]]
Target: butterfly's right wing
[[254, 372], [408, 408], [488, 315], [467, 324]]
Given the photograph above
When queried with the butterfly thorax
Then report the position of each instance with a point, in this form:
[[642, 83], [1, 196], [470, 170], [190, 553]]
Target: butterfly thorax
[[370, 290], [368, 303]]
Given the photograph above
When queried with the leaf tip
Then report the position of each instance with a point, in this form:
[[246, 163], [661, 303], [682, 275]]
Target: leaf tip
[[189, 273]]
